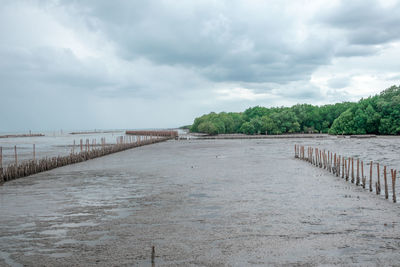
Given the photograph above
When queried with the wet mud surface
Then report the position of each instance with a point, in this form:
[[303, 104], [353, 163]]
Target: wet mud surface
[[201, 202]]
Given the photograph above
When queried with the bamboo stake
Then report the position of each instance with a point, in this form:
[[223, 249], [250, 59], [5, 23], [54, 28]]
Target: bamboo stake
[[358, 172], [15, 155], [394, 184], [334, 164], [370, 176], [378, 184], [362, 174], [385, 181], [348, 169], [343, 168]]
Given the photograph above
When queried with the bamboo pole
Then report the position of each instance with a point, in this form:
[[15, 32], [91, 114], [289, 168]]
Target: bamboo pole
[[362, 174], [334, 164], [343, 168], [385, 181], [358, 172], [378, 183], [393, 184], [370, 176], [15, 155]]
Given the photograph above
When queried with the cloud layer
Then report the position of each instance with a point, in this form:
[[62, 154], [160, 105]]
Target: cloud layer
[[143, 64]]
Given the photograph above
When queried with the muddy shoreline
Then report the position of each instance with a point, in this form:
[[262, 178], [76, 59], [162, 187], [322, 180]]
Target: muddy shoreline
[[200, 202]]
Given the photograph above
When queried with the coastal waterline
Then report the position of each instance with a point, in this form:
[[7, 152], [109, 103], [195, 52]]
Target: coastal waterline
[[233, 202]]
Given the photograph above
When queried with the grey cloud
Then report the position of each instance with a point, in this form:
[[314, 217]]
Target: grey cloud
[[365, 22], [216, 39], [166, 58]]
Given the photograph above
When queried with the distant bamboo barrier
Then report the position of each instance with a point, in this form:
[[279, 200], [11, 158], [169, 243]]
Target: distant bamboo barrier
[[331, 162], [172, 134], [30, 167]]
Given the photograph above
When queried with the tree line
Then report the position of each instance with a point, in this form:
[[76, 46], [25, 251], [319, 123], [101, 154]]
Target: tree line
[[379, 114]]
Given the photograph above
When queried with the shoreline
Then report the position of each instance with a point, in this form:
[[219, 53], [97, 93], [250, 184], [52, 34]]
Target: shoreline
[[21, 135]]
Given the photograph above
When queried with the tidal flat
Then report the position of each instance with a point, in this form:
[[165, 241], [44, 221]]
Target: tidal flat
[[203, 202]]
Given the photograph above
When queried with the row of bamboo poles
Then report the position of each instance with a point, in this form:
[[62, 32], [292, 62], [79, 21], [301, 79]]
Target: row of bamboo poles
[[89, 150], [344, 167], [172, 134]]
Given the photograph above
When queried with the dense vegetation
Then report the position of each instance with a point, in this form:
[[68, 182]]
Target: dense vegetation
[[379, 114]]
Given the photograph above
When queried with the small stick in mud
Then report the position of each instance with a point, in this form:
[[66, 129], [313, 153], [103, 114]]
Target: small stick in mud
[[385, 181], [362, 174], [393, 184], [378, 183], [153, 254], [370, 176]]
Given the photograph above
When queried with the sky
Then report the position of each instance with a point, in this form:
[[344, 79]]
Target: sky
[[81, 64]]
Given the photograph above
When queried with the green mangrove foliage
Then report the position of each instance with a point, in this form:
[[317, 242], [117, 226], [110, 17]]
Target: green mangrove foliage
[[379, 114]]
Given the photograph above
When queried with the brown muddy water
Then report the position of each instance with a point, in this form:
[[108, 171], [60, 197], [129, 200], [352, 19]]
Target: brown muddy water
[[202, 202]]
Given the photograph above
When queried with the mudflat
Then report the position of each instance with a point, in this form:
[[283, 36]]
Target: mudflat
[[201, 202]]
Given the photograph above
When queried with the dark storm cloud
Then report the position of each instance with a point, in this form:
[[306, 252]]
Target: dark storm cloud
[[225, 41]]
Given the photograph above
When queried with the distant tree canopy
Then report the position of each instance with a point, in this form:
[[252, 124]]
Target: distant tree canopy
[[379, 114]]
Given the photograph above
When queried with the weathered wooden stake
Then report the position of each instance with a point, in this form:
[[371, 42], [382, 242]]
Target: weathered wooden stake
[[343, 168], [348, 169], [378, 183], [362, 174], [34, 152], [394, 184], [358, 172], [370, 176], [385, 181], [1, 157], [81, 145], [153, 254], [352, 170]]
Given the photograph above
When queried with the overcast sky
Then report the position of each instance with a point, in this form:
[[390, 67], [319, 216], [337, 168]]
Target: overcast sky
[[144, 64]]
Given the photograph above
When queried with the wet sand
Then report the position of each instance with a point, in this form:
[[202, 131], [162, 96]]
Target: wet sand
[[200, 202]]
